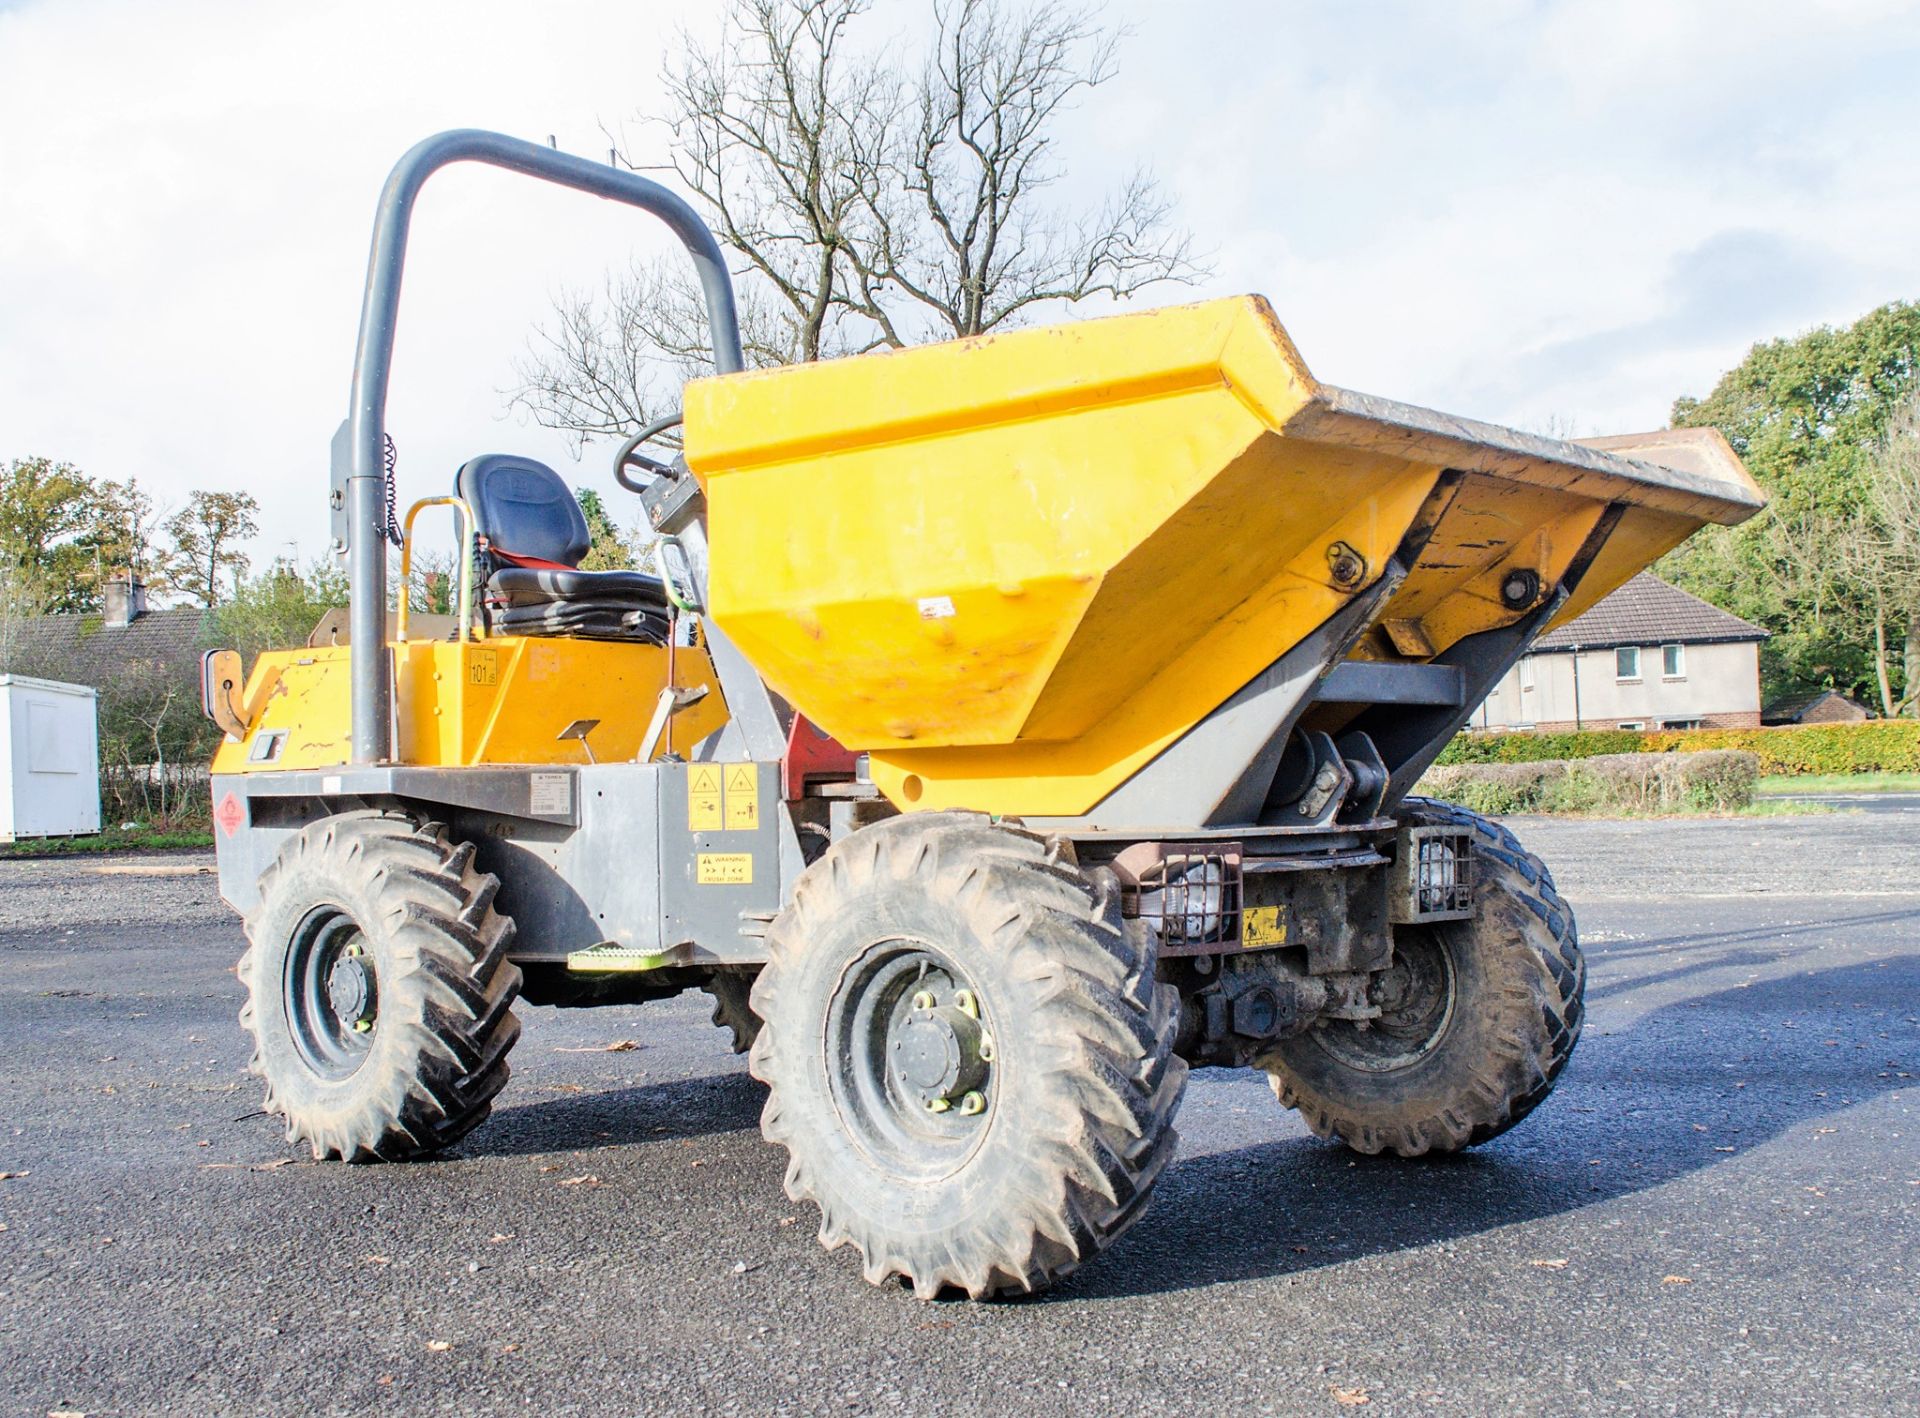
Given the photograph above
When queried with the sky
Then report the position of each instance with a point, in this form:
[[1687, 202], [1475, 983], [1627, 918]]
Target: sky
[[1558, 214]]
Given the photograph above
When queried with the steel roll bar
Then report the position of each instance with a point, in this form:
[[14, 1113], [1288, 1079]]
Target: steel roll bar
[[371, 671]]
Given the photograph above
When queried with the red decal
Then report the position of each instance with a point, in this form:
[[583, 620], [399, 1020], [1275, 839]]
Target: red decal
[[231, 814]]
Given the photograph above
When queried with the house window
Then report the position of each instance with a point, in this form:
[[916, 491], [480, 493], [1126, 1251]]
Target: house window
[[1673, 662], [1526, 674], [1679, 723], [1626, 662], [1632, 724]]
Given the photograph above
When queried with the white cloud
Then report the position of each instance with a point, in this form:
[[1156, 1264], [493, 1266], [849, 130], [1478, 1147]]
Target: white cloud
[[1527, 210]]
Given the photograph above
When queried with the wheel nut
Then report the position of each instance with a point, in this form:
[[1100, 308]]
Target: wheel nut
[[964, 1001], [923, 1000], [973, 1105], [986, 1048], [938, 1105]]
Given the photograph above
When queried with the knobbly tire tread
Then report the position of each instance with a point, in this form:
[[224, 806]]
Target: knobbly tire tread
[[1524, 934], [446, 1022], [1092, 1062], [732, 1006]]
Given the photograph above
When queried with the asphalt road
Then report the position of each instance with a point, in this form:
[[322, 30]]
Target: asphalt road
[[1714, 1213]]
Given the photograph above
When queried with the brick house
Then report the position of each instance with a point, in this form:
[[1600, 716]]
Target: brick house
[[1649, 656]]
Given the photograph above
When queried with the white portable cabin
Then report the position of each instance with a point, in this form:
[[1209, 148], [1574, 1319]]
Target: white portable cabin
[[49, 759]]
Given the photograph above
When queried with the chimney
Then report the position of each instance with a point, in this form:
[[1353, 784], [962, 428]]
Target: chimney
[[123, 600]]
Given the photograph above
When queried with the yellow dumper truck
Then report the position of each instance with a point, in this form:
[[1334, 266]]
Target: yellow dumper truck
[[1001, 729]]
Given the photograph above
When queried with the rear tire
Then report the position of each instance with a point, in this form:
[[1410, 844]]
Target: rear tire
[[1481, 1016], [733, 1007], [968, 1058], [379, 994]]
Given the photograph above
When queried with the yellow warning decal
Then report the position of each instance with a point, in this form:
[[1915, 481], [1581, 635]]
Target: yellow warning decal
[[743, 797], [703, 798], [483, 668], [723, 869], [1264, 925]]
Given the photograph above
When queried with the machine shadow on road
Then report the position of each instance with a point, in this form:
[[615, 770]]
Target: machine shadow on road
[[1297, 1205], [654, 1112]]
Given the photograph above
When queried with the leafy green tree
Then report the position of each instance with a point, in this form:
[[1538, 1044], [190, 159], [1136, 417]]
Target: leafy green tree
[[1810, 416], [611, 549], [62, 534], [207, 535], [277, 609]]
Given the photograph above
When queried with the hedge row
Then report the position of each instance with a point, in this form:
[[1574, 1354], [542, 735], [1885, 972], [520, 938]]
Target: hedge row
[[1879, 746], [1619, 783]]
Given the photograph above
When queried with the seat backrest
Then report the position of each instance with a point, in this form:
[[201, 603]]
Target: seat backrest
[[523, 508]]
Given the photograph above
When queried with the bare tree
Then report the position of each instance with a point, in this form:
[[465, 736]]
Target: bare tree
[[957, 227], [873, 201]]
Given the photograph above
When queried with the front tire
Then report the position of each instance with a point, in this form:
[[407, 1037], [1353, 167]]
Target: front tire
[[379, 994], [1479, 1016], [968, 1059]]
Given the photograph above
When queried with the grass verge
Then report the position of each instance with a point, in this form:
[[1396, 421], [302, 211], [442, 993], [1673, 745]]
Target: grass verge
[[114, 839], [1774, 785]]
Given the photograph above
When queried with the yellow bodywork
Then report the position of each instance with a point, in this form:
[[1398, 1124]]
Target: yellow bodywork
[[497, 701], [1015, 569]]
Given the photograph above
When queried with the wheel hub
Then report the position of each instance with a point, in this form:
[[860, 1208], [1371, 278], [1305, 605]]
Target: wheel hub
[[331, 994], [350, 991], [937, 1051]]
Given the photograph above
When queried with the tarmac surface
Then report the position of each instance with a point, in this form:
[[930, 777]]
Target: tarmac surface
[[1714, 1213]]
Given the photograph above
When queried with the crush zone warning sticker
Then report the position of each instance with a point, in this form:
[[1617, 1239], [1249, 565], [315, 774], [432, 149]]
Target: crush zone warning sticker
[[723, 869]]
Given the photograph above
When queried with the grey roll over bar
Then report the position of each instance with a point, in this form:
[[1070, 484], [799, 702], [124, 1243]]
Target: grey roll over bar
[[372, 684]]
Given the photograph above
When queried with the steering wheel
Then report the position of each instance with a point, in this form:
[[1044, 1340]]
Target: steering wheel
[[630, 455]]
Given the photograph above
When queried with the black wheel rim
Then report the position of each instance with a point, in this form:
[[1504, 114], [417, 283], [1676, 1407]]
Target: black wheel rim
[[911, 1059], [1415, 996], [331, 994]]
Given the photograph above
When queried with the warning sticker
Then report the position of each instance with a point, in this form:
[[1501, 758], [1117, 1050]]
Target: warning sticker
[[703, 798], [230, 814], [483, 668], [743, 797], [723, 869], [1264, 925]]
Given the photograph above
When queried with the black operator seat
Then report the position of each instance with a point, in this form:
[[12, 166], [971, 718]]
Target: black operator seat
[[529, 538]]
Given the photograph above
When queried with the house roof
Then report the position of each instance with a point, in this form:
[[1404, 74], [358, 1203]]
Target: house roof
[[1647, 611], [1792, 708], [83, 649]]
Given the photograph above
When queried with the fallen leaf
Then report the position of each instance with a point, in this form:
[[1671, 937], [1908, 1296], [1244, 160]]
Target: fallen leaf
[[585, 1179], [1560, 1264], [618, 1046], [498, 1236], [375, 1260], [1351, 1397], [553, 1168], [1822, 1132], [270, 1166], [937, 1324], [438, 1346], [385, 1381], [1723, 1149], [1676, 1280], [509, 1348], [789, 1220], [1700, 1127], [13, 1176]]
